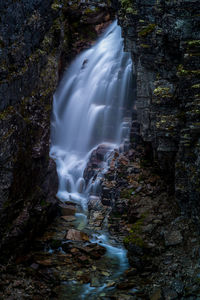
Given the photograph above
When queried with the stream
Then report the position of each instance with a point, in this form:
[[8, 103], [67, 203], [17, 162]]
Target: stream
[[91, 120]]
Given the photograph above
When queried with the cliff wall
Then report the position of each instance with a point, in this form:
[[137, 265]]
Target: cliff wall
[[37, 40], [164, 40]]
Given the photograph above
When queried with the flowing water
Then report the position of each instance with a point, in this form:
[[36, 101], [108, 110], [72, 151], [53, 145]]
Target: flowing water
[[91, 109]]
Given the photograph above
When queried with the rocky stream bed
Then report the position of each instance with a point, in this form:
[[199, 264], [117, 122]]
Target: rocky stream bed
[[135, 211]]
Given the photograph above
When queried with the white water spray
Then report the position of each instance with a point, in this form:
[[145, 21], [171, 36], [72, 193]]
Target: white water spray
[[90, 109]]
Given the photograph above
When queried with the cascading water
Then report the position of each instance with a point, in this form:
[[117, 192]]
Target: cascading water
[[91, 106]]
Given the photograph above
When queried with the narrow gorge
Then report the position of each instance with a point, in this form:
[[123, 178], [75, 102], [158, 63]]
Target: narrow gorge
[[100, 149]]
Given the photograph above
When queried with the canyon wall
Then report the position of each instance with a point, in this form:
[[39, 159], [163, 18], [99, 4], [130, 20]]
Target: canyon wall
[[38, 38], [164, 40]]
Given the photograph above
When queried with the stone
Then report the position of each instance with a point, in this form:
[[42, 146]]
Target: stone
[[169, 294], [156, 295], [94, 282], [125, 285], [111, 284], [68, 218], [34, 266], [178, 286], [76, 235], [131, 272], [106, 202], [67, 210], [94, 250], [173, 238], [105, 273], [45, 262]]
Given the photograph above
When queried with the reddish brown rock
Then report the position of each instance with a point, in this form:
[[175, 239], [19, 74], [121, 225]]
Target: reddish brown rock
[[68, 218], [76, 235]]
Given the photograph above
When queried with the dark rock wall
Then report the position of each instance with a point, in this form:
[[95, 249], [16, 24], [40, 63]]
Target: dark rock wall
[[164, 39], [37, 39]]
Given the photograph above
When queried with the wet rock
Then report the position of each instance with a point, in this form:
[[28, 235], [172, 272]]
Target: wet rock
[[106, 202], [68, 218], [95, 282], [156, 295], [76, 235], [94, 250], [34, 266], [83, 259], [125, 285], [67, 210], [105, 273], [178, 286], [135, 250], [94, 202], [54, 244], [106, 192], [135, 261], [111, 284], [169, 294], [131, 272], [173, 238]]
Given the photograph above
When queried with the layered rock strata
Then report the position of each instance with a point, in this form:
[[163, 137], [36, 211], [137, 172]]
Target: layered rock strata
[[164, 40], [37, 39]]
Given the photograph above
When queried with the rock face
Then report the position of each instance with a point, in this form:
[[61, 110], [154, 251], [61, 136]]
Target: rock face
[[37, 39], [164, 40]]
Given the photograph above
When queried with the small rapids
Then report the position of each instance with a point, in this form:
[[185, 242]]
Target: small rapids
[[91, 111]]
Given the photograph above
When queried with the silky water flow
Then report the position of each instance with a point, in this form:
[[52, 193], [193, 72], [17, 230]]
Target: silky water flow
[[91, 109]]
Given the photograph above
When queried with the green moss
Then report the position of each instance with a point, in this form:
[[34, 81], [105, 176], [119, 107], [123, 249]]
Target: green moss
[[6, 204], [196, 86], [183, 72], [126, 4], [162, 92], [145, 163], [145, 46], [134, 236], [132, 11], [181, 116], [43, 202], [147, 30], [159, 31], [126, 193], [89, 11], [26, 120], [56, 5], [194, 43], [8, 111]]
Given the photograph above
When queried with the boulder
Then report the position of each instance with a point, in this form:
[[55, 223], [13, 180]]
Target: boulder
[[76, 235]]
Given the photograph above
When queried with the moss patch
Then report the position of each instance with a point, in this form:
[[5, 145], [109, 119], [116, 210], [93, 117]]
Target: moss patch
[[163, 92], [134, 236], [126, 193], [147, 30], [8, 111]]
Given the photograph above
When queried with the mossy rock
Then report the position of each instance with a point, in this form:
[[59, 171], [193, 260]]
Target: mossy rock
[[147, 30], [135, 234], [126, 193], [163, 92], [10, 110]]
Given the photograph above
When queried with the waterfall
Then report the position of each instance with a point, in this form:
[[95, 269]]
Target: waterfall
[[91, 116], [90, 109]]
